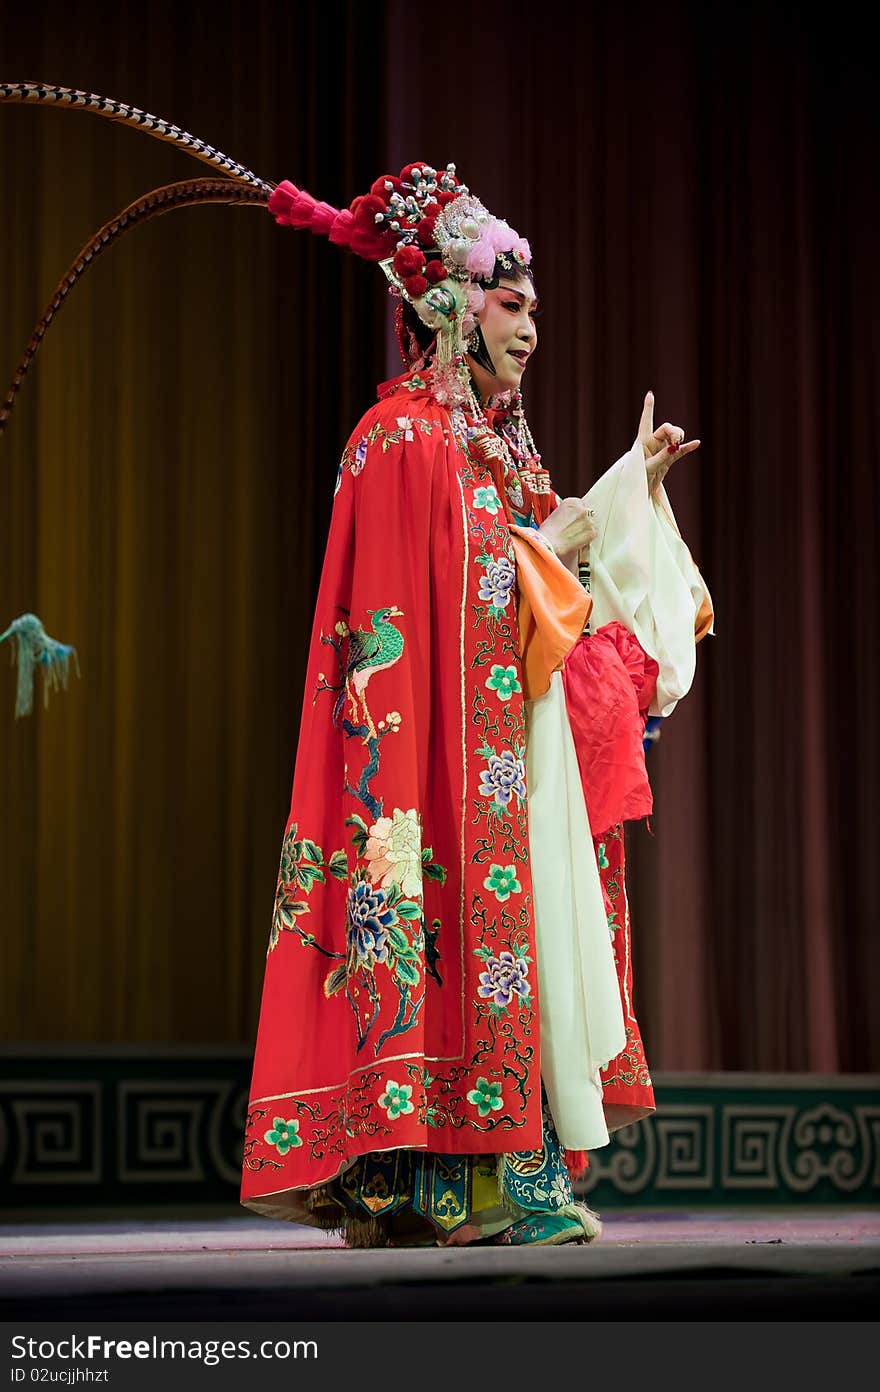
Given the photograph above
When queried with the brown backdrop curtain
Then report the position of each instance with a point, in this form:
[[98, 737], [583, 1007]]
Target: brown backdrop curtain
[[700, 195], [167, 479]]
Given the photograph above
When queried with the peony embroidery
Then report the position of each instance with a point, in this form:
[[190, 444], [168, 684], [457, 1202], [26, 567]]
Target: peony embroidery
[[497, 583], [394, 851], [505, 976], [505, 776], [368, 921]]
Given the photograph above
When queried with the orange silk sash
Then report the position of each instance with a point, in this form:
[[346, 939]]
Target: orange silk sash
[[553, 608]]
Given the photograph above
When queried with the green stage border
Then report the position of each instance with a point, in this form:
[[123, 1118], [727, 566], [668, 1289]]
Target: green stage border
[[134, 1127]]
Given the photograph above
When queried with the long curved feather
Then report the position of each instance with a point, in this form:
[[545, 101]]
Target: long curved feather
[[41, 93], [153, 204]]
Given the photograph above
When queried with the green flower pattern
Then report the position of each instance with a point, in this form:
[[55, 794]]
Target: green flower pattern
[[284, 1135], [502, 882], [397, 1099], [503, 680], [486, 1097], [487, 498]]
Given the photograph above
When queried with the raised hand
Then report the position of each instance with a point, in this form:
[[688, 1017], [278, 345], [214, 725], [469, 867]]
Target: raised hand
[[662, 445]]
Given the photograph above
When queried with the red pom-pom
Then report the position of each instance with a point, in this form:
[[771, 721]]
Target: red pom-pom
[[365, 208], [378, 186], [406, 171], [425, 231], [435, 272], [415, 286], [409, 261]]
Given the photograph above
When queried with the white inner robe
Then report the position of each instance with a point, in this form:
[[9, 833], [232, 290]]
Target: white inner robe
[[582, 1025], [643, 576]]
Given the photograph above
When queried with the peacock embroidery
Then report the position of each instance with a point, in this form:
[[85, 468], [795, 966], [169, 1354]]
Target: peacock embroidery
[[359, 653], [369, 652]]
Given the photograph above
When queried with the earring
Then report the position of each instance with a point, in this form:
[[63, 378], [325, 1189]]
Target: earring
[[472, 342]]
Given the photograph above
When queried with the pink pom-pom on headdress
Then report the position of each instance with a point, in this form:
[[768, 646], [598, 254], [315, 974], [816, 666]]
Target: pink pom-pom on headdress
[[481, 258], [498, 234]]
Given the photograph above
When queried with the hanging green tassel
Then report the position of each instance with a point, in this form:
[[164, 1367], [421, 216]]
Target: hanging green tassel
[[33, 645]]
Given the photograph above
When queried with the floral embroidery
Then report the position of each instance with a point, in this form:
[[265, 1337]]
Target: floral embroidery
[[601, 857], [406, 426], [559, 1193], [502, 881], [360, 455], [503, 680], [487, 498], [505, 775], [394, 850], [302, 867], [486, 1097], [415, 383], [367, 924], [354, 456], [385, 928], [284, 1135], [396, 1099], [497, 583], [505, 976]]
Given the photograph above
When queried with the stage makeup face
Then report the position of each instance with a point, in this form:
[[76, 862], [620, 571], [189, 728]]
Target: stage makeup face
[[507, 321]]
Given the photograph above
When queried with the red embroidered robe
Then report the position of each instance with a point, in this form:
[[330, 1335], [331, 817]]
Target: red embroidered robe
[[399, 1006]]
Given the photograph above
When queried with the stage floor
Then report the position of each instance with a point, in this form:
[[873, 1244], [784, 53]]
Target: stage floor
[[780, 1264]]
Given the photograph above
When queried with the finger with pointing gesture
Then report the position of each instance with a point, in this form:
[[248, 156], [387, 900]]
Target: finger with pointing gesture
[[662, 445]]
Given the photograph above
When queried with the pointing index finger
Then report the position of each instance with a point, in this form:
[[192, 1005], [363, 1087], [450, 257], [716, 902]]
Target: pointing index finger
[[646, 424]]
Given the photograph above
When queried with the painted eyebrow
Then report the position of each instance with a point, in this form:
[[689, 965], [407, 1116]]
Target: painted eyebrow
[[509, 290]]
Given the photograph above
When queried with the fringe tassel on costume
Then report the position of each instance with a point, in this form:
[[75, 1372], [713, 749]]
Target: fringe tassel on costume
[[332, 1217], [32, 645], [508, 1204], [577, 1163]]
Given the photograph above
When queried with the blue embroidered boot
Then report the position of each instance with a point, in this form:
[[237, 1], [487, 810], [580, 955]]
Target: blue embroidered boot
[[575, 1223]]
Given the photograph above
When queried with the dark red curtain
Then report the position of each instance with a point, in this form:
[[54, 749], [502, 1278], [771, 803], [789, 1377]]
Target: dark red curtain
[[699, 186]]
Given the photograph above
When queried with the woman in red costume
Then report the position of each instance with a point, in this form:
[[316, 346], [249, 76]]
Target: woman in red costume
[[447, 1024], [448, 971]]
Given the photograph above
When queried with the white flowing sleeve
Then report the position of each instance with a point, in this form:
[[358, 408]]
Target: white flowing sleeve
[[643, 575]]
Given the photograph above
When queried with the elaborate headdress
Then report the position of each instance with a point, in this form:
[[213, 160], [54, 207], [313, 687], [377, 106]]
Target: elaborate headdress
[[434, 240]]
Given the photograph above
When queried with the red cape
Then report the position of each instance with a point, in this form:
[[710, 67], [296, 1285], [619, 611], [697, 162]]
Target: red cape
[[399, 1007]]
